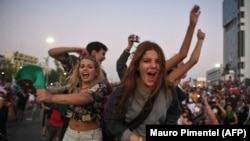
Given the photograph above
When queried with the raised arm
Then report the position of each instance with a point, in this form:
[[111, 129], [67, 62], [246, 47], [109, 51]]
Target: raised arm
[[59, 53], [175, 75], [173, 61], [209, 112], [121, 65]]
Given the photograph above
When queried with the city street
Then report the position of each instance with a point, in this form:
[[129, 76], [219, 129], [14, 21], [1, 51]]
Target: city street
[[27, 130]]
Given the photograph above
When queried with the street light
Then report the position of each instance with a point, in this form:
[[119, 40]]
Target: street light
[[2, 73], [217, 65], [49, 40], [47, 68]]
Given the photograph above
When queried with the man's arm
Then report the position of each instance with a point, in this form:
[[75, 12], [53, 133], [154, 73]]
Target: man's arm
[[121, 65], [59, 53]]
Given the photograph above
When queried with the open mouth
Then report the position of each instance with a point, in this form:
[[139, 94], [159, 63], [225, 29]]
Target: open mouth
[[85, 75], [151, 76]]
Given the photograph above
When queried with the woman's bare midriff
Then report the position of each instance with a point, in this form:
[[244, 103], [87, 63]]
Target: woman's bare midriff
[[82, 125]]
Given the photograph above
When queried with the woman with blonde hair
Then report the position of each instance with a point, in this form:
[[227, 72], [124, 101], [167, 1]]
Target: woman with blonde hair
[[87, 94]]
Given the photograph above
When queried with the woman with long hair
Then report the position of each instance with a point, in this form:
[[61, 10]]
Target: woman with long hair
[[87, 94], [145, 80]]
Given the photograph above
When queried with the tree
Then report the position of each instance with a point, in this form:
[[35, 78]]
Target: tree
[[57, 76], [9, 73]]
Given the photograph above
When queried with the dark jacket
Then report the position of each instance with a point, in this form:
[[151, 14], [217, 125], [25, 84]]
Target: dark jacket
[[112, 125], [175, 109]]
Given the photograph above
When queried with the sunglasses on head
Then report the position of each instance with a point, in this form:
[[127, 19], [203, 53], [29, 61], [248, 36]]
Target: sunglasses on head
[[87, 57]]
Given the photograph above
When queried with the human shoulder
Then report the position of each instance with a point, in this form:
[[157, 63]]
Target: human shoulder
[[118, 91]]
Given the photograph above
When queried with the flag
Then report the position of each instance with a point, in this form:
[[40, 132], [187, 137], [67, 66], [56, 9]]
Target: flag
[[188, 81], [30, 78]]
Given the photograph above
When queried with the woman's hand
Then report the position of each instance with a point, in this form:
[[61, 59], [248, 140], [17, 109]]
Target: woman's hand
[[134, 137], [200, 35], [43, 95], [194, 14]]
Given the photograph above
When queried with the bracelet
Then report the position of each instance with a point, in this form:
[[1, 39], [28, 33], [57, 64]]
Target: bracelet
[[140, 138]]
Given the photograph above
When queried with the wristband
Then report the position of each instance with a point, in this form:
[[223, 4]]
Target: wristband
[[140, 138]]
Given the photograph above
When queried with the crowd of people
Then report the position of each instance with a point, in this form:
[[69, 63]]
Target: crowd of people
[[150, 89], [13, 103], [219, 103]]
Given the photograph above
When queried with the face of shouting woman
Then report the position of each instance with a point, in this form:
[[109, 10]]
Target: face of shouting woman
[[149, 68], [87, 70]]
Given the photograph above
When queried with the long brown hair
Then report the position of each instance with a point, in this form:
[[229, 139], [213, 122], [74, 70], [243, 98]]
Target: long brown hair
[[131, 77]]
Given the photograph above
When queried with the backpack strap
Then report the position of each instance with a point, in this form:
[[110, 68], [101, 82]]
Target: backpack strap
[[142, 116]]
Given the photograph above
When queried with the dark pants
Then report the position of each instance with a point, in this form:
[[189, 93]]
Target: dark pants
[[65, 125]]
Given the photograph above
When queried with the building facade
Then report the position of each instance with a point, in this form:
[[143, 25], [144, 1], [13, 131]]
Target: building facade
[[236, 19], [4, 63], [214, 75], [18, 59]]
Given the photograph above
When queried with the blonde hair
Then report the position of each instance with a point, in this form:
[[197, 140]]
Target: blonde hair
[[75, 79]]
